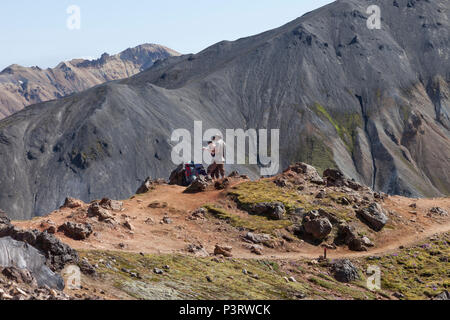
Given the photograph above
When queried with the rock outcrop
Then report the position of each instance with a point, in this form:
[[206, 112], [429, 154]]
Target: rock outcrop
[[308, 171], [443, 296], [149, 184], [57, 253], [76, 231], [272, 210], [199, 185], [112, 205], [374, 216], [257, 238], [178, 176], [223, 251], [18, 255], [102, 214], [438, 211], [72, 203], [317, 226], [348, 235], [344, 271]]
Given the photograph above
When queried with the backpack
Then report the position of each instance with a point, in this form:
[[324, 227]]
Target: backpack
[[189, 173], [200, 170], [192, 171]]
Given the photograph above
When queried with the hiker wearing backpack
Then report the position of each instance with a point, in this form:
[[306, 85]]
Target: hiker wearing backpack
[[219, 158]]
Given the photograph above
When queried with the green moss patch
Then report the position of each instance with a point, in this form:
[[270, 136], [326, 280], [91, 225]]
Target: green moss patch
[[341, 289], [345, 124], [249, 222], [420, 272], [249, 193], [187, 277]]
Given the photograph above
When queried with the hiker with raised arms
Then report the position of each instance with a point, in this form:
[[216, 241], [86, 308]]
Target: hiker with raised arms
[[212, 150], [219, 158]]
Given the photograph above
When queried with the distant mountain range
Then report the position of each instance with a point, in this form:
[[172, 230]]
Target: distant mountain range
[[21, 86], [374, 103]]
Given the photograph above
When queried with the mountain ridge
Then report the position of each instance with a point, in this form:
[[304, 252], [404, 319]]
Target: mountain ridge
[[23, 86]]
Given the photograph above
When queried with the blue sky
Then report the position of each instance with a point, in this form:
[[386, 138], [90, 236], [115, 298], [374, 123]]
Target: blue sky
[[36, 33]]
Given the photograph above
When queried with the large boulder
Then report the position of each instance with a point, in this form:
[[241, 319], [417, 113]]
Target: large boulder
[[438, 211], [344, 271], [199, 185], [27, 236], [109, 204], [271, 210], [103, 215], [178, 176], [317, 226], [223, 250], [373, 216], [309, 172], [58, 254], [358, 244], [443, 296], [334, 177], [330, 216], [149, 184], [72, 203], [222, 184], [17, 254], [76, 231], [257, 238], [347, 235]]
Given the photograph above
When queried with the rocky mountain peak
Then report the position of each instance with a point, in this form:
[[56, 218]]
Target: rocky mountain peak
[[73, 76]]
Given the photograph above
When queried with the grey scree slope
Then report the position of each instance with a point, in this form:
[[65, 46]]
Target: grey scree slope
[[23, 256], [374, 103]]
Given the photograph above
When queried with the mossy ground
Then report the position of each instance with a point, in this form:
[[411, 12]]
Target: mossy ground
[[327, 282], [187, 278], [261, 191], [266, 191], [252, 223], [420, 272]]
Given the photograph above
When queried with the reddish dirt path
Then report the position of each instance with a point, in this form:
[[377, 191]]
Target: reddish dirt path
[[389, 247]]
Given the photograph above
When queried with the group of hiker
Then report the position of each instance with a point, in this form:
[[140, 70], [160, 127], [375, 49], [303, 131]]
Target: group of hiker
[[191, 171]]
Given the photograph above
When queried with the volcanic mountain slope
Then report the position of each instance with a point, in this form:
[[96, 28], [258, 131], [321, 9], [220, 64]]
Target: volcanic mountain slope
[[374, 103], [21, 86]]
